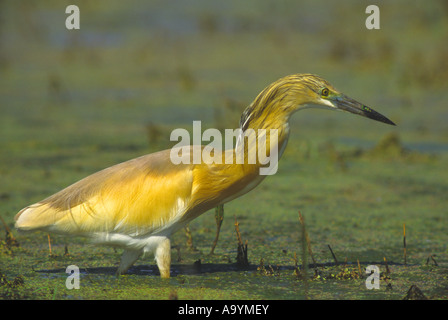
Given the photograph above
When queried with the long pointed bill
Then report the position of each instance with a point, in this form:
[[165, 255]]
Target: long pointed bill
[[348, 104]]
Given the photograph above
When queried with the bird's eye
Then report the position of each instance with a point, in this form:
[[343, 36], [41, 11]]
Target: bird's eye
[[325, 92]]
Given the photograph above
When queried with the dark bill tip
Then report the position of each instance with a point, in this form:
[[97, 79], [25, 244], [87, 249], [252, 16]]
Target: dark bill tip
[[347, 104], [372, 114]]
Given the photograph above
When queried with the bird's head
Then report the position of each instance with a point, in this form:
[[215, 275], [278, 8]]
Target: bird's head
[[299, 91], [321, 93]]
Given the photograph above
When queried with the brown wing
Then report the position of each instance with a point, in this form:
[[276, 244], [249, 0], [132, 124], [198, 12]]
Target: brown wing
[[133, 197]]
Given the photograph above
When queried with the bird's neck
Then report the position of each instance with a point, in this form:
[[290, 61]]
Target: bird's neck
[[259, 148], [268, 117], [264, 134], [256, 138], [249, 164]]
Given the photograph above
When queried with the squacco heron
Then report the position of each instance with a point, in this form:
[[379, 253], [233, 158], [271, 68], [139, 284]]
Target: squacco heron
[[140, 203]]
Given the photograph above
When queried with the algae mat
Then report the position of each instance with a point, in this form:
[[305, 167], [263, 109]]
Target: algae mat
[[77, 101]]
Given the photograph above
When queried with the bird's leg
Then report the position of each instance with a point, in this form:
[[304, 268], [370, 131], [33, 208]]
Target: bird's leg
[[219, 216], [127, 260], [189, 237], [163, 257]]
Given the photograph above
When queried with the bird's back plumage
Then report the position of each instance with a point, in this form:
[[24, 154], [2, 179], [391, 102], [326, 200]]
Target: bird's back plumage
[[135, 197]]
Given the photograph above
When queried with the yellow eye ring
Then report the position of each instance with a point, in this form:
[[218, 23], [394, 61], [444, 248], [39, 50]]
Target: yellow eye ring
[[325, 92]]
